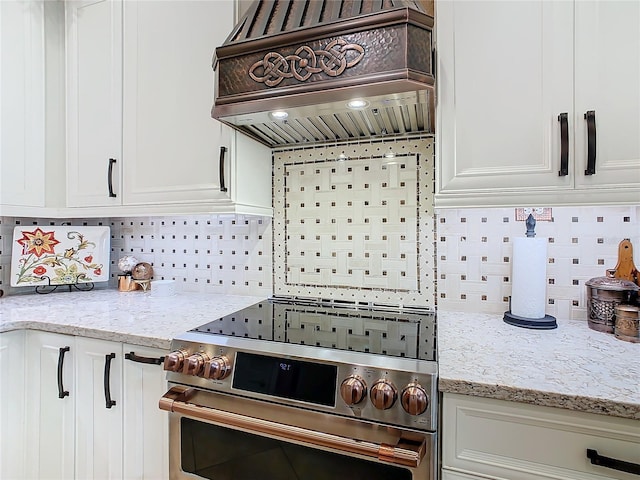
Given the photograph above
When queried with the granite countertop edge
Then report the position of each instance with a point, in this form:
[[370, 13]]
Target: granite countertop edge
[[97, 333], [542, 398]]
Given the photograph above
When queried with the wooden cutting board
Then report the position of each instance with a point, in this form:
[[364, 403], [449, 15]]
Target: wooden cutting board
[[625, 269]]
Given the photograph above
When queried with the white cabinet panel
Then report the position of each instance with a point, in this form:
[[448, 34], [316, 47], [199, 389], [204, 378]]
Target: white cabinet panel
[[608, 83], [94, 101], [12, 404], [146, 427], [50, 415], [99, 426], [22, 102], [171, 143], [516, 441]]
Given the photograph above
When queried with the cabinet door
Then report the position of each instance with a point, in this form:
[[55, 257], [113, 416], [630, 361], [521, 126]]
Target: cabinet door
[[608, 83], [51, 416], [99, 428], [505, 73], [171, 143], [12, 413], [146, 427], [94, 102], [22, 68]]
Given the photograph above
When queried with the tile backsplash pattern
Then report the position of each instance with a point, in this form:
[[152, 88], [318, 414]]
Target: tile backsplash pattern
[[354, 224], [219, 254], [474, 248]]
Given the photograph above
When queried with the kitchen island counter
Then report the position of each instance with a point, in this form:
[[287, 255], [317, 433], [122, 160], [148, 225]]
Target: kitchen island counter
[[138, 317], [571, 367]]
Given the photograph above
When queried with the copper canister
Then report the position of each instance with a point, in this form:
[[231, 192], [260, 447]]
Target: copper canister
[[627, 326], [603, 295]]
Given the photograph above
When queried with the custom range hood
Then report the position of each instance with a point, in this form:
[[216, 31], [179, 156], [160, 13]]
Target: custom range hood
[[287, 72]]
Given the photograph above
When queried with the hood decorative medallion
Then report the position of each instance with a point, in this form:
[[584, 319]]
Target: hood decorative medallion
[[332, 60], [310, 59]]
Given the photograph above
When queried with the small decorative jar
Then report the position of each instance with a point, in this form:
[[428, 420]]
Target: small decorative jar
[[627, 325]]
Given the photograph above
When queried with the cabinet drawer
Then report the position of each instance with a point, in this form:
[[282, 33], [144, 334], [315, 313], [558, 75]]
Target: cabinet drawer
[[522, 442]]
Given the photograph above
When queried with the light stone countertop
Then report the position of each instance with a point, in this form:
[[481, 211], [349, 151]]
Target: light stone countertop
[[135, 317], [570, 367]]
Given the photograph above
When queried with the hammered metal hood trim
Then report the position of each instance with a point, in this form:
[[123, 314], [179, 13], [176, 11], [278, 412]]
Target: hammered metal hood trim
[[311, 58]]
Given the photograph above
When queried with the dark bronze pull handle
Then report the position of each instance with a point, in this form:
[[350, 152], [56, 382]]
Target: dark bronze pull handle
[[223, 150], [590, 117], [150, 360], [110, 177], [612, 463], [107, 370], [563, 118], [61, 391]]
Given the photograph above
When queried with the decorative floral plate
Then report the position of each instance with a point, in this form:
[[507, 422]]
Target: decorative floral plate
[[68, 255]]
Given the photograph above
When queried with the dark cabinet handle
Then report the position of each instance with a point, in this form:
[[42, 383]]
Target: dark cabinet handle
[[563, 118], [112, 161], [150, 360], [61, 391], [590, 117], [107, 371], [223, 151], [612, 463]]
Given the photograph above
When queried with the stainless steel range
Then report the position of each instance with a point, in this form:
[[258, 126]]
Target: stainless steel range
[[293, 388]]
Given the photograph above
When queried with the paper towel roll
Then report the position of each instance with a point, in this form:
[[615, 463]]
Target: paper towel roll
[[529, 277]]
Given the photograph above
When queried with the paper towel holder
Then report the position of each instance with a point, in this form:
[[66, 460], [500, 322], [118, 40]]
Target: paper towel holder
[[545, 323]]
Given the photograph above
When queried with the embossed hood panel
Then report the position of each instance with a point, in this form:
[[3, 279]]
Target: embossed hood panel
[[310, 58]]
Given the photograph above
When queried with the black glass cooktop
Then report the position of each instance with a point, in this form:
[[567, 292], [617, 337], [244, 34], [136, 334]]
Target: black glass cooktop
[[375, 329]]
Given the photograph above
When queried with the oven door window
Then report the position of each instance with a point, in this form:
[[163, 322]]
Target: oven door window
[[219, 453]]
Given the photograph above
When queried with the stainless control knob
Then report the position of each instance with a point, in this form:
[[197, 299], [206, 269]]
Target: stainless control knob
[[414, 399], [175, 360], [194, 364], [217, 368], [353, 390], [383, 394]]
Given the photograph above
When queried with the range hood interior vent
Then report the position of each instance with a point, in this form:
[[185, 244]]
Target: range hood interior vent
[[310, 58]]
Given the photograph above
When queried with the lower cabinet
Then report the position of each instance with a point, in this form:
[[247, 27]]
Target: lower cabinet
[[12, 404], [91, 411], [494, 439]]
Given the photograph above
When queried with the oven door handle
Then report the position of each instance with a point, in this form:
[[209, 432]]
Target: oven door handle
[[404, 453]]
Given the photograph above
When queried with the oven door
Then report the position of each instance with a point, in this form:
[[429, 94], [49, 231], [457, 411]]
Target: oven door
[[222, 437]]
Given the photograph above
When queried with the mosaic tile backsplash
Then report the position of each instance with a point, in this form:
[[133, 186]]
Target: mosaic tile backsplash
[[474, 248], [218, 254], [354, 222]]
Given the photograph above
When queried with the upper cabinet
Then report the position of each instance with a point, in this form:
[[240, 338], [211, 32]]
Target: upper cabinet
[[538, 103], [140, 135], [22, 98]]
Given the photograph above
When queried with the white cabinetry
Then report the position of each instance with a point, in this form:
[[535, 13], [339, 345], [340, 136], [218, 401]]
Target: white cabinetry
[[146, 427], [99, 428], [139, 99], [107, 425], [22, 102], [50, 398], [487, 438], [12, 378], [507, 71]]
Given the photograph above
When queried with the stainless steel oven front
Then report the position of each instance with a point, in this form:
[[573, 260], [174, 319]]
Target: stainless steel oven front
[[246, 409]]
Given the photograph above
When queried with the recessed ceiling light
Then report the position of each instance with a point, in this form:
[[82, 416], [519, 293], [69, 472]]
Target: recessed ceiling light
[[279, 115], [357, 104]]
